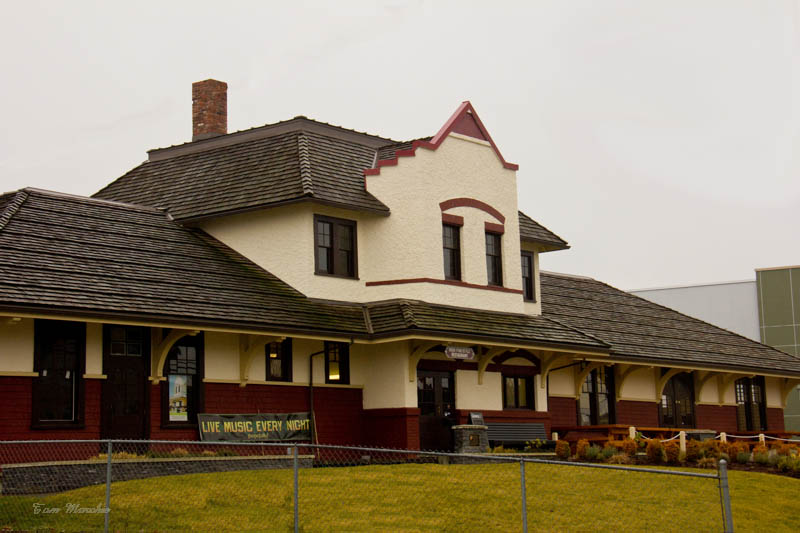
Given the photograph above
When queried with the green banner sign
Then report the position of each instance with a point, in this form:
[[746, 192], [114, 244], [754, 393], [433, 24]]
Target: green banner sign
[[255, 428]]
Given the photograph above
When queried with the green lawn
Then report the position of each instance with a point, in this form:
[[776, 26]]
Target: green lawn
[[422, 498]]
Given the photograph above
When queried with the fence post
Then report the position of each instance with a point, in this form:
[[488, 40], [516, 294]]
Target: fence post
[[682, 441], [725, 496], [524, 498], [723, 437], [108, 487], [632, 432], [762, 439], [296, 491]]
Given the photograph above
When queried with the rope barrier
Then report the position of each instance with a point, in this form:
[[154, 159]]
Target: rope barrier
[[743, 436], [781, 439], [672, 438]]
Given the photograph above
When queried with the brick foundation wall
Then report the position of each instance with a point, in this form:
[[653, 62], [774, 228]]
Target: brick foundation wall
[[716, 417], [16, 399], [632, 413], [563, 411], [392, 428], [775, 419]]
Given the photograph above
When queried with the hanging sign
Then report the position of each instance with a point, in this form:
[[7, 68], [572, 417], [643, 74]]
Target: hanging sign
[[255, 427], [464, 353]]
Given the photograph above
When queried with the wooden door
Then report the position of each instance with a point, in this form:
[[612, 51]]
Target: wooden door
[[436, 401], [126, 361]]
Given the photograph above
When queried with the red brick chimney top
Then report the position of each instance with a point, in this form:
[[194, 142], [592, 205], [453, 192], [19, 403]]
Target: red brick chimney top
[[209, 109]]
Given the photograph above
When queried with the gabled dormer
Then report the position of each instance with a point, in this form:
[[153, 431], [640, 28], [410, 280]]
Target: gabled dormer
[[344, 215]]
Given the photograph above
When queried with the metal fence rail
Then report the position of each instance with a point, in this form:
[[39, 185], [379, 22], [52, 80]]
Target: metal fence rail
[[133, 485]]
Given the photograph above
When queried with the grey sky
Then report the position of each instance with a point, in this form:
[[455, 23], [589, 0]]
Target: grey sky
[[658, 138]]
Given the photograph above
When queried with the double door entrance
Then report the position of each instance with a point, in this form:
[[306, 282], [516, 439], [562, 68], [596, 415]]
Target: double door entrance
[[126, 363], [436, 402]]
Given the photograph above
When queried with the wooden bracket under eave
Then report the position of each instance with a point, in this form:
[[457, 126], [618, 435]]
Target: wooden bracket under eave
[[250, 347], [416, 354], [486, 358], [581, 377], [161, 348], [548, 361]]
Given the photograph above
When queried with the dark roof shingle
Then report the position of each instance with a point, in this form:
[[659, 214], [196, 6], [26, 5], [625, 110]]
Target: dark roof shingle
[[532, 231]]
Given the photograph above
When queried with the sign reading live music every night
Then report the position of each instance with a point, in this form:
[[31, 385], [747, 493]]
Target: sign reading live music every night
[[255, 427]]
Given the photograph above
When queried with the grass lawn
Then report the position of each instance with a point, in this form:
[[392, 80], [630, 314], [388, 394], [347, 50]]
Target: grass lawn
[[422, 498]]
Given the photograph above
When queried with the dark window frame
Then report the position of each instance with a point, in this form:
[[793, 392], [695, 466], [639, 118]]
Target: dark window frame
[[455, 249], [198, 341], [41, 332], [746, 385], [343, 352], [529, 288], [496, 260], [285, 356], [529, 392], [594, 394], [337, 269]]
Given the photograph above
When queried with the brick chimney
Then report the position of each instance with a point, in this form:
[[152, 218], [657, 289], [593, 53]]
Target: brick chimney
[[209, 109]]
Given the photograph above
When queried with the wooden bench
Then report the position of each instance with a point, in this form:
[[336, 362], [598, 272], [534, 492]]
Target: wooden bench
[[516, 433]]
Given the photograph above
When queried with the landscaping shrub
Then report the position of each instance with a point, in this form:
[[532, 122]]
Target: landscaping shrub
[[692, 451], [672, 450], [743, 457], [709, 448], [227, 453], [707, 462], [580, 449], [655, 451], [608, 451], [179, 452], [619, 459], [592, 452], [760, 448], [629, 446], [209, 453], [562, 450]]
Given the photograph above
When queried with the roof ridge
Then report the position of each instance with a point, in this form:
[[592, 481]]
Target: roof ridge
[[408, 314], [12, 207], [92, 199], [304, 158]]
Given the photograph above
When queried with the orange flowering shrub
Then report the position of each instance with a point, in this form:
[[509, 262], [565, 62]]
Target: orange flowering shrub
[[629, 446], [692, 450], [562, 450], [655, 451], [672, 451]]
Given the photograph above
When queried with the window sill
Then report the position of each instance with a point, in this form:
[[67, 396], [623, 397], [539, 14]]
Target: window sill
[[340, 276], [57, 425]]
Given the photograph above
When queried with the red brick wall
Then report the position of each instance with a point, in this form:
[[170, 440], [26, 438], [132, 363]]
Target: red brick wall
[[716, 417], [643, 414], [392, 428], [338, 411], [16, 399], [563, 411], [775, 419]]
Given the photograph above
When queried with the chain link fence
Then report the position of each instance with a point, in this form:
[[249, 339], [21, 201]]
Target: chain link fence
[[173, 485]]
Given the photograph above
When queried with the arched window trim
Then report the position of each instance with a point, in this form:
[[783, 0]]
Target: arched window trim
[[197, 394], [668, 395]]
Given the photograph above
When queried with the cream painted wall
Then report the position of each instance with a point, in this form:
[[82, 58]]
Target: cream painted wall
[[406, 244], [222, 357], [16, 346], [386, 380], [562, 382], [94, 348], [471, 396], [773, 392], [639, 386]]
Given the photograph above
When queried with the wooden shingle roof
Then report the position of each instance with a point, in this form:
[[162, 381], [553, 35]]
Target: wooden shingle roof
[[640, 330]]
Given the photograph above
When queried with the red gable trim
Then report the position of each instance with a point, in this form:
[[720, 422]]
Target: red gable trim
[[471, 202], [464, 121]]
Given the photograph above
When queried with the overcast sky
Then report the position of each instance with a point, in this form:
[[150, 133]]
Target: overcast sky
[[659, 138]]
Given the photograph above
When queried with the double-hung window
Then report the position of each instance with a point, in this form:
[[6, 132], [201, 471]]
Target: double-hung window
[[751, 404], [596, 401], [451, 243], [494, 259], [337, 362], [181, 397], [279, 360], [528, 283], [517, 392], [335, 251]]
